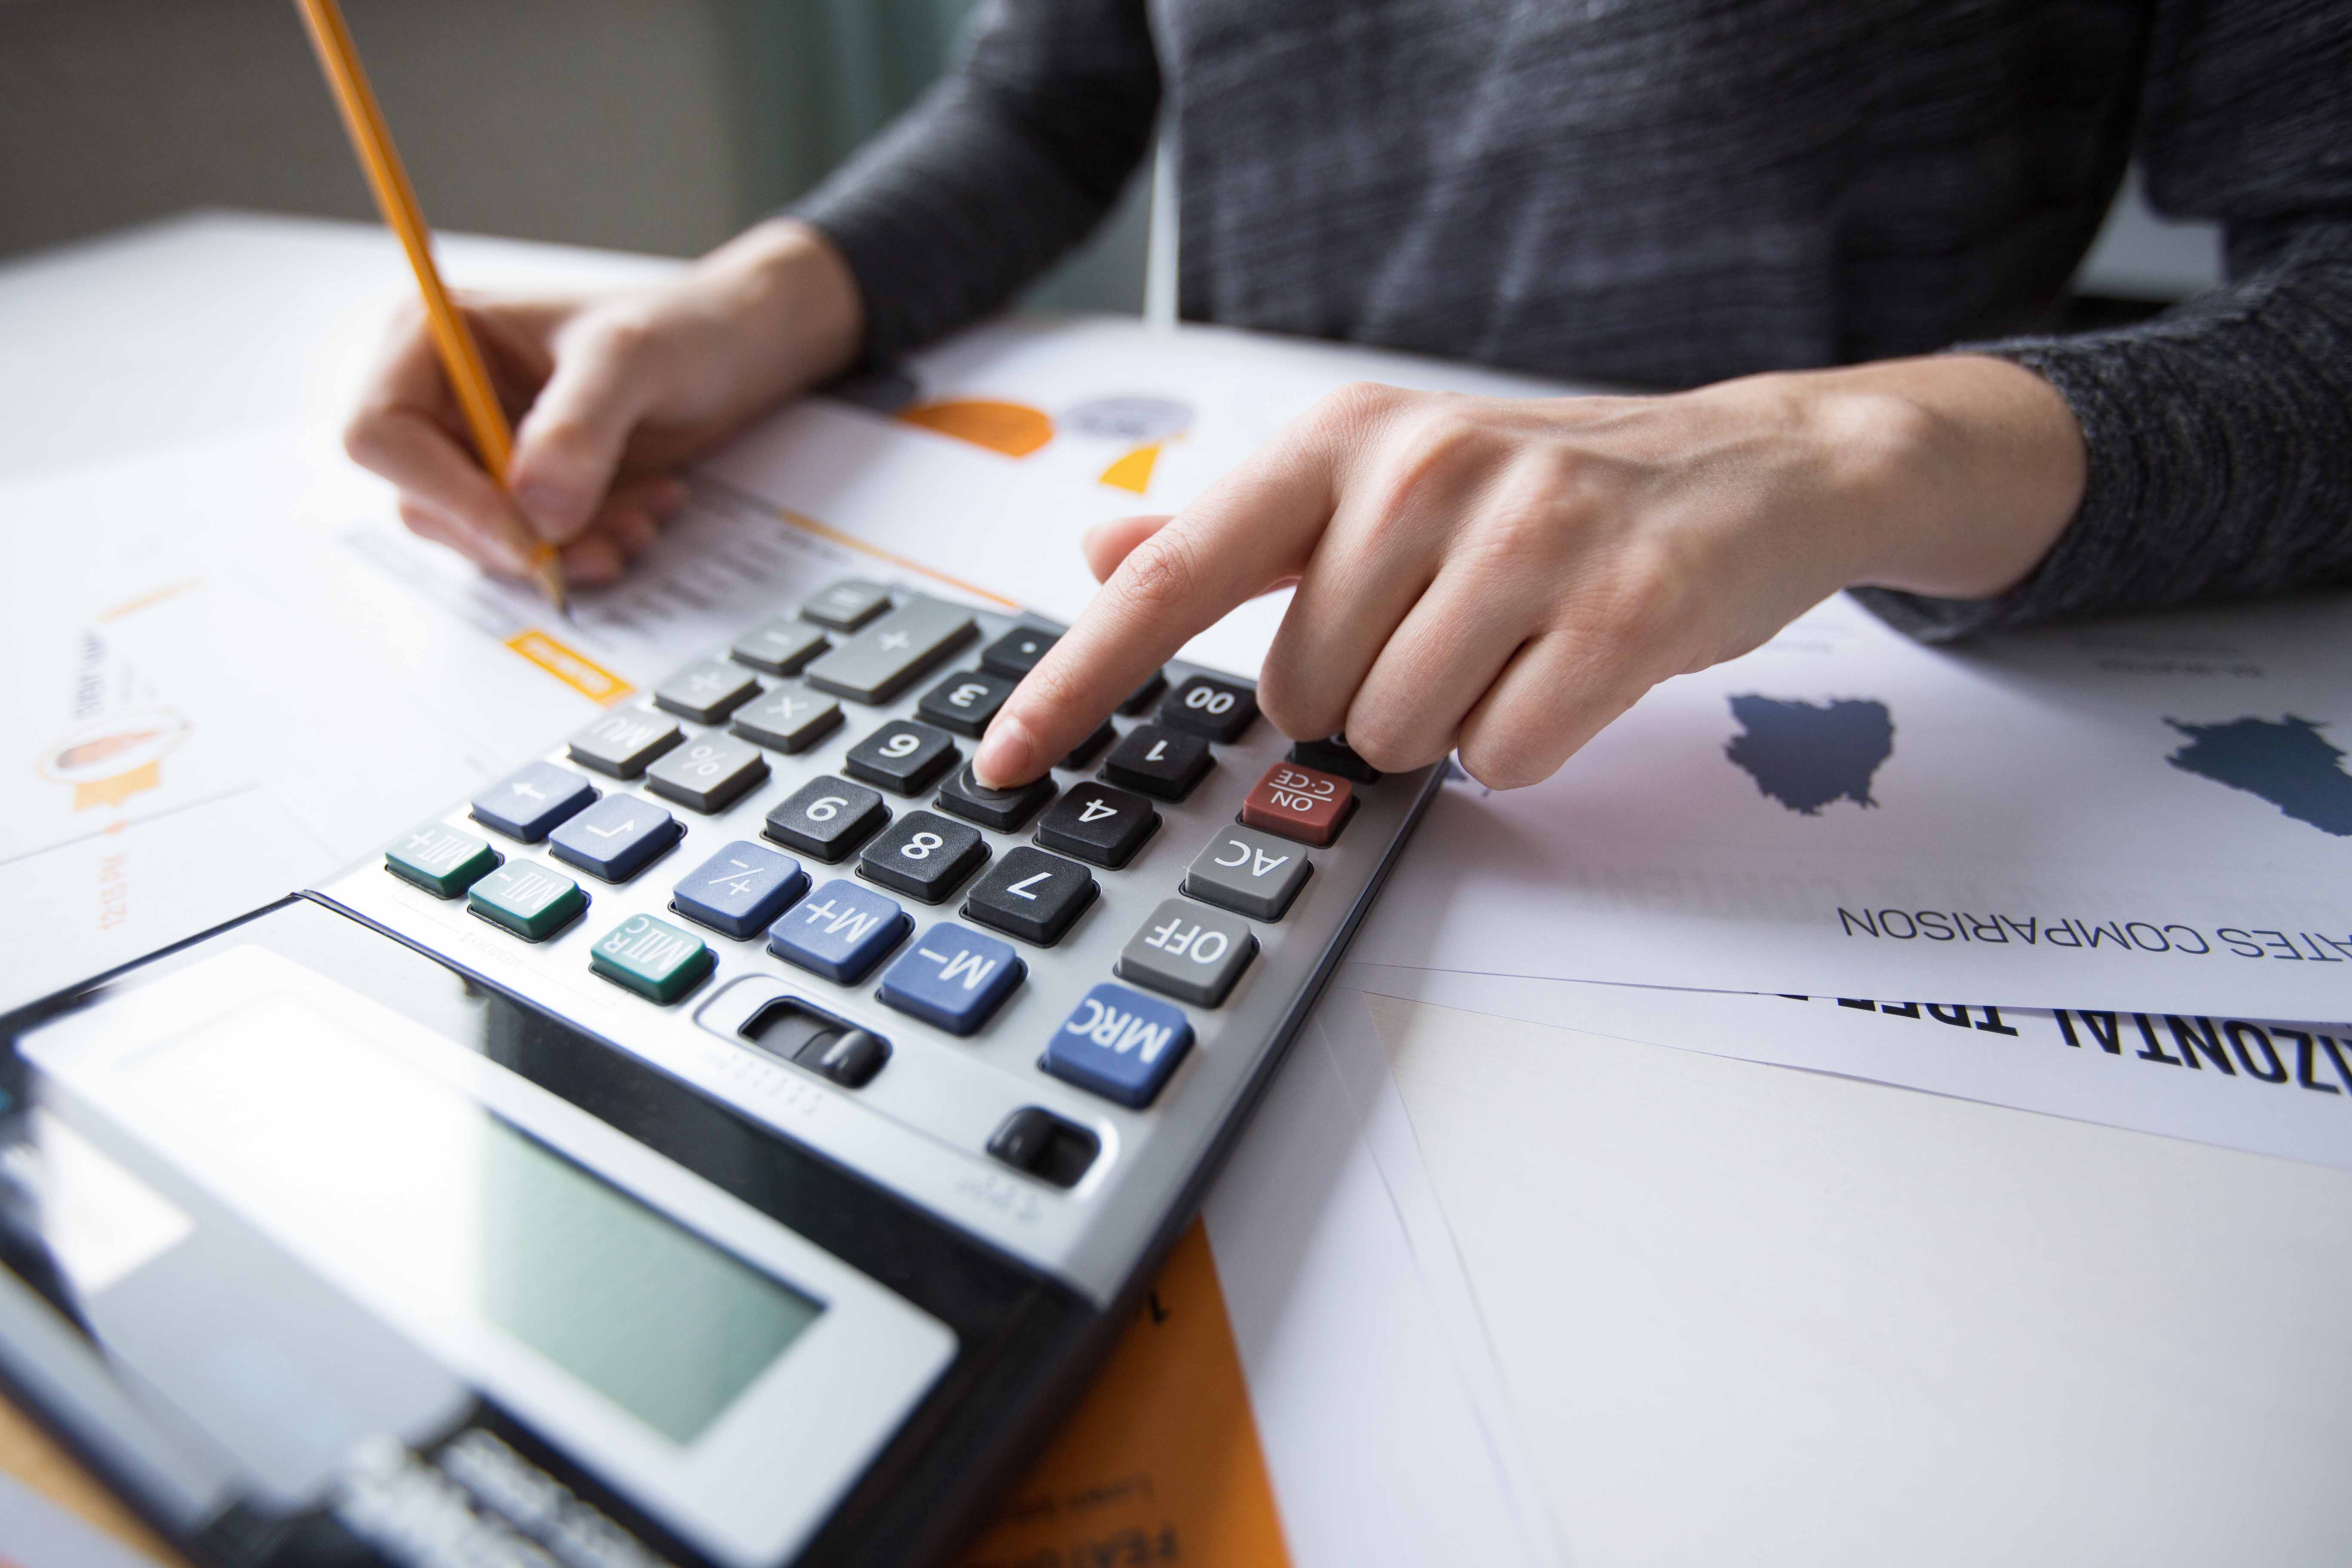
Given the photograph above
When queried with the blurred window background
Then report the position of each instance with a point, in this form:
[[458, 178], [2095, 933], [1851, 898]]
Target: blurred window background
[[648, 125]]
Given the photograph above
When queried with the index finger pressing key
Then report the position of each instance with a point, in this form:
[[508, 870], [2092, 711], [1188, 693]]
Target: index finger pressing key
[[1256, 526]]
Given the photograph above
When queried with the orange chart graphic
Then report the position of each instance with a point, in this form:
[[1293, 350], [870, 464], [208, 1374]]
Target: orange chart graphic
[[1161, 1463], [1015, 429]]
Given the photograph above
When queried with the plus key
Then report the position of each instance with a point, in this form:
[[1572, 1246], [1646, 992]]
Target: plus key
[[1301, 804]]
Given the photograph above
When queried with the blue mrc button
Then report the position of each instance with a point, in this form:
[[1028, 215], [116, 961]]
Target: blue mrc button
[[840, 931], [952, 977], [1120, 1045]]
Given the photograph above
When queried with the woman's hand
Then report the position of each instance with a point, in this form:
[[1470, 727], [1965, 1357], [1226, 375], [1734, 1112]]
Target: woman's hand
[[1506, 576], [611, 395]]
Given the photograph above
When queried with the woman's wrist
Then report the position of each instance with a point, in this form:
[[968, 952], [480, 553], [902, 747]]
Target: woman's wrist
[[1967, 469], [789, 298]]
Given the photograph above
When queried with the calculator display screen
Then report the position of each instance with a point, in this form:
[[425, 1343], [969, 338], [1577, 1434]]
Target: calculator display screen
[[640, 1309], [460, 1215]]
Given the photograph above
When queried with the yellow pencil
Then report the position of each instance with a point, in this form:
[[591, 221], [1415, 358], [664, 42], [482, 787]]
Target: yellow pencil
[[460, 355]]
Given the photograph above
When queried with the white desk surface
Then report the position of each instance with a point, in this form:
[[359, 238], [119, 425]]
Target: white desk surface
[[1745, 1314]]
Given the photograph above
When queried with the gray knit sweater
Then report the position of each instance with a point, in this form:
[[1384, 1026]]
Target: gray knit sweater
[[1671, 192]]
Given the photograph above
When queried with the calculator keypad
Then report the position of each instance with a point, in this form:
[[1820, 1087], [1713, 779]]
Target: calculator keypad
[[1120, 1044], [1016, 653], [903, 756], [615, 838], [654, 959], [1003, 809], [1219, 711], [1299, 803], [740, 890], [781, 647], [1192, 953], [802, 693], [923, 856], [1333, 756], [620, 744], [965, 702], [708, 691], [846, 606], [826, 817], [952, 977], [789, 717], [886, 658], [708, 774], [1248, 872], [529, 801], [1097, 824], [1032, 895], [528, 900], [1159, 761], [440, 860], [1087, 749], [841, 932]]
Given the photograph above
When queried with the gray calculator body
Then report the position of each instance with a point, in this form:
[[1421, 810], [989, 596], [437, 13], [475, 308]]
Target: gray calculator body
[[697, 1292]]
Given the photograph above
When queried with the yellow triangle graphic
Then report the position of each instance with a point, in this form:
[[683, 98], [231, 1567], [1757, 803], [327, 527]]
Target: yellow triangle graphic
[[1133, 471]]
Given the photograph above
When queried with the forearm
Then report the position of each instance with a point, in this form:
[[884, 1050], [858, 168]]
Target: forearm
[[1952, 474], [790, 298], [1004, 167], [2218, 453]]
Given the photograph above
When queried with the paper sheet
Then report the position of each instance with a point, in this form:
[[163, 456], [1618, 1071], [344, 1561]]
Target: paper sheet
[[2045, 818], [206, 711], [2252, 1083], [1789, 1320]]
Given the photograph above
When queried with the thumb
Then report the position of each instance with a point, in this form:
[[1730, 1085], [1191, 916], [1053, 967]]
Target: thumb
[[1106, 544], [569, 445]]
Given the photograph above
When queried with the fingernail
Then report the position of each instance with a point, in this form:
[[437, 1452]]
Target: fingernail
[[1004, 758], [555, 511]]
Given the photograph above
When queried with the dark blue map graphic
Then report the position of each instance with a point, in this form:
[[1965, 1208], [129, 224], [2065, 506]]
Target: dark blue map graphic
[[2286, 762], [1807, 754]]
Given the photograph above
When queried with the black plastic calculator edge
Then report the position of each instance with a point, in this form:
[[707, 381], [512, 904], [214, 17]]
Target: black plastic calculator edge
[[938, 1480]]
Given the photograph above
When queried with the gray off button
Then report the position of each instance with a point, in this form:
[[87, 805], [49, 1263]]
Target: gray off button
[[1189, 953], [1248, 872]]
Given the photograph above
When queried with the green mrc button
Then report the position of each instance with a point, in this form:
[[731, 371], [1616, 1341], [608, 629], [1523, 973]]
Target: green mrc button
[[530, 900], [653, 958]]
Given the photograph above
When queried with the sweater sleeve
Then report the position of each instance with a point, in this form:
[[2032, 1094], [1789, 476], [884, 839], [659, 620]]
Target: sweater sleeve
[[1004, 165], [2220, 433]]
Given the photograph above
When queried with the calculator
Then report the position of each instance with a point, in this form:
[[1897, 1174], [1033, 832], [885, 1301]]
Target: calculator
[[732, 1137]]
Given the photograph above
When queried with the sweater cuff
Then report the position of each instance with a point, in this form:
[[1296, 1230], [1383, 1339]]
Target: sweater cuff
[[2078, 570]]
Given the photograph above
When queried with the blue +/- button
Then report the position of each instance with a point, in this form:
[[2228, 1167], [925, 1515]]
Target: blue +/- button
[[741, 889], [1120, 1044], [526, 805], [840, 931], [952, 977], [615, 838]]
